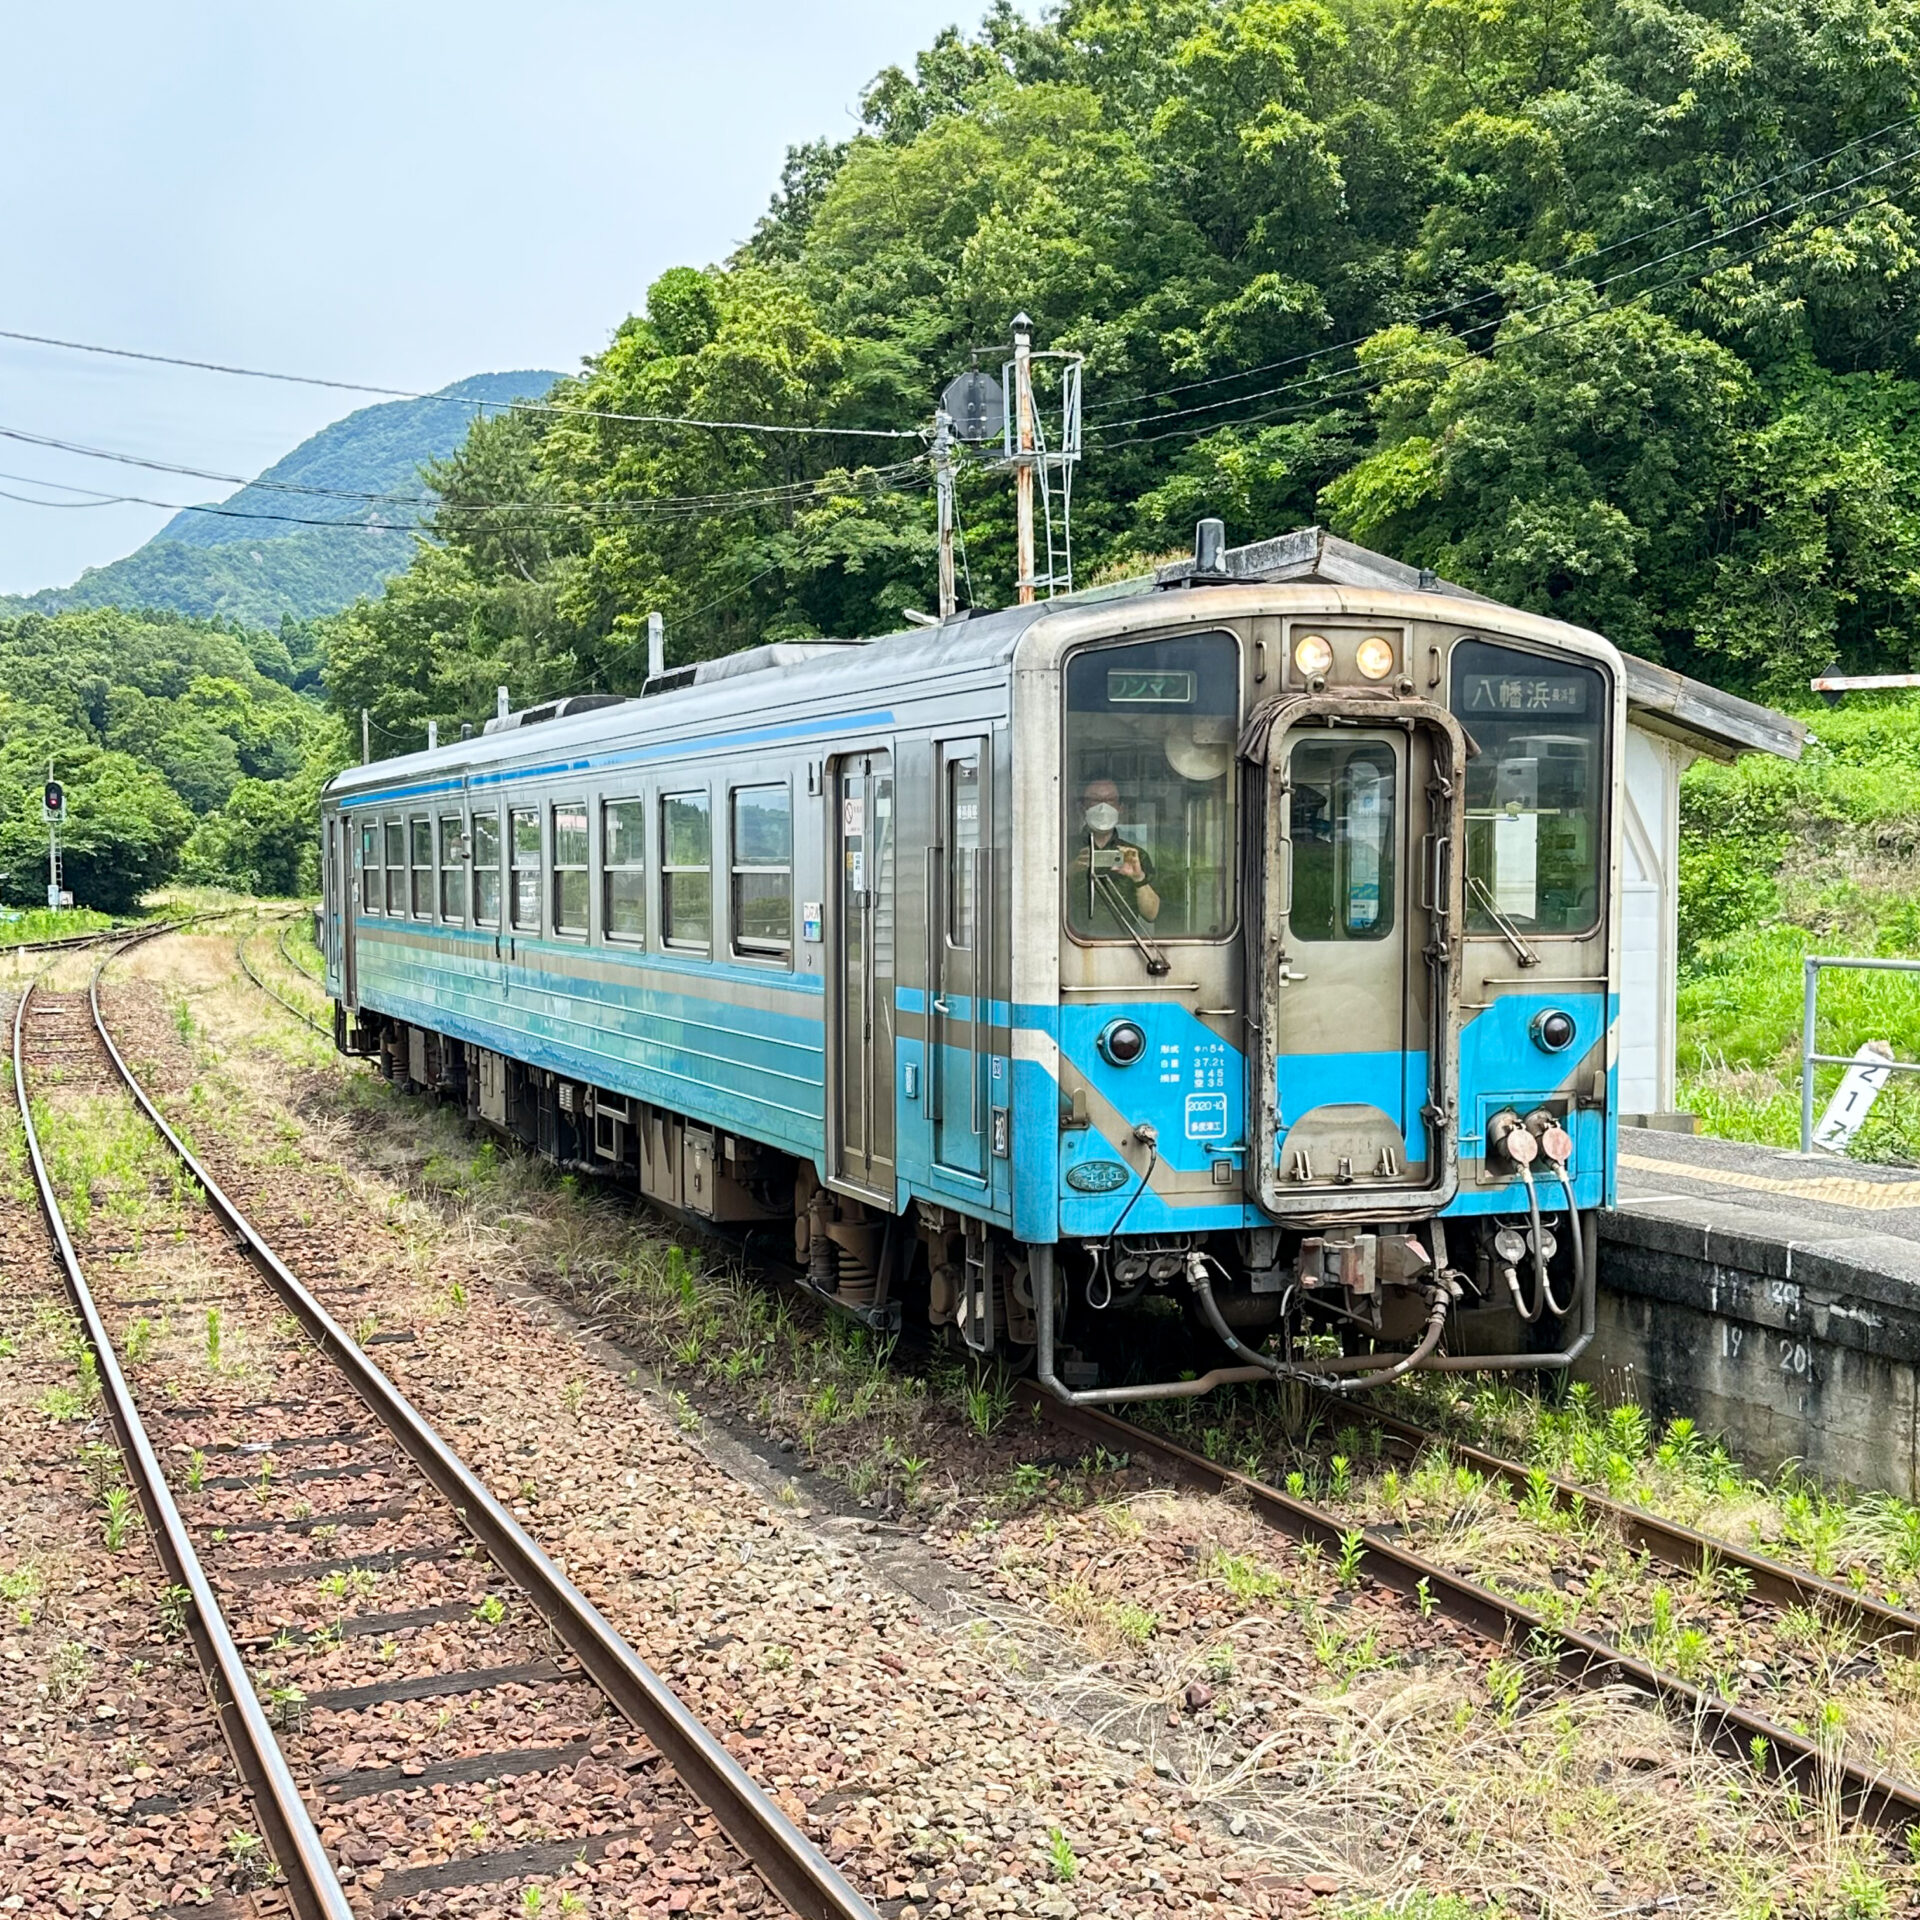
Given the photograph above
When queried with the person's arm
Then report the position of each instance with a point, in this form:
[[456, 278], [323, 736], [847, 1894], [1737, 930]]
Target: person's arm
[[1137, 868]]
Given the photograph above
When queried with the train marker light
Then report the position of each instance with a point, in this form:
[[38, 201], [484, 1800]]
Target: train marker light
[[1374, 656], [1313, 655], [1122, 1042], [1554, 1030]]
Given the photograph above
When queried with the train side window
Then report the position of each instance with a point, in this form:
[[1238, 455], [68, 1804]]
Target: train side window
[[763, 872], [371, 885], [623, 907], [396, 866], [686, 871], [1148, 789], [570, 882], [1536, 791], [453, 854], [523, 852], [420, 843], [486, 869], [963, 842]]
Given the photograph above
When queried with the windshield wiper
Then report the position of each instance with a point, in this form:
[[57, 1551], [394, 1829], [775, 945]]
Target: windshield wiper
[[1514, 938], [1131, 924]]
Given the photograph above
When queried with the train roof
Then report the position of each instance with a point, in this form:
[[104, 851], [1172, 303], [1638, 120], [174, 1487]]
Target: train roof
[[692, 698]]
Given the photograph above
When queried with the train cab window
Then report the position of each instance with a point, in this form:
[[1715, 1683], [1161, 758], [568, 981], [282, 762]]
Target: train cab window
[[1341, 838], [523, 851], [763, 872], [1536, 790], [686, 871], [420, 845], [623, 844], [486, 869], [371, 884], [570, 883], [396, 866], [453, 854], [1148, 779]]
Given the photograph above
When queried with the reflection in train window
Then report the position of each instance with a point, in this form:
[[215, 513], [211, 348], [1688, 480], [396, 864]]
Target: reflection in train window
[[1151, 733], [570, 884], [1340, 816], [523, 853], [1534, 789], [486, 869], [623, 834], [763, 871], [420, 839], [371, 885], [396, 867], [452, 860], [686, 871]]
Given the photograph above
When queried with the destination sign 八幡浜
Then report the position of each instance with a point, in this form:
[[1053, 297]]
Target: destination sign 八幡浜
[[1523, 694]]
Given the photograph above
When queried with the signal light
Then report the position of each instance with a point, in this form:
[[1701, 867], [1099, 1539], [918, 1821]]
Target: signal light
[[55, 800]]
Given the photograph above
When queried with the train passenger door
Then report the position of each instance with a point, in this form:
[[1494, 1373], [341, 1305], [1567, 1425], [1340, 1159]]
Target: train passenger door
[[1357, 1048], [959, 1015], [861, 982], [359, 856]]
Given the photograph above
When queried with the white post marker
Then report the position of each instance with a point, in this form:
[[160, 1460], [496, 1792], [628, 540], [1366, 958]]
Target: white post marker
[[1853, 1099]]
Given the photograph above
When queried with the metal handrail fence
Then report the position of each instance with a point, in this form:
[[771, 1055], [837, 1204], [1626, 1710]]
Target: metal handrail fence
[[1809, 1059]]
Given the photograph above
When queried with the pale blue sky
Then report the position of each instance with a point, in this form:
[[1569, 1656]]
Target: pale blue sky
[[401, 194]]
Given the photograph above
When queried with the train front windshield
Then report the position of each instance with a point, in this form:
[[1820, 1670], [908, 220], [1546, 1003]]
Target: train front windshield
[[1149, 788], [1536, 788]]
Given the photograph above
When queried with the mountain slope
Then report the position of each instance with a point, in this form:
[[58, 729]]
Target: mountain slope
[[254, 561]]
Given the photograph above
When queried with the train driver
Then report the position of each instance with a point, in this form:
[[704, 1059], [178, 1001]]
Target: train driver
[[1118, 874]]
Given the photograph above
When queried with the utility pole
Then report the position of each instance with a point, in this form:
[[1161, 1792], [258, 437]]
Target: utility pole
[[433, 735], [656, 645], [366, 741], [1023, 450], [943, 484]]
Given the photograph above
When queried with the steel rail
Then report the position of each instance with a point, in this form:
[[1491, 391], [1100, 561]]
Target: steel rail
[[792, 1866], [299, 1013], [306, 973], [1873, 1797], [311, 1883], [1896, 1629]]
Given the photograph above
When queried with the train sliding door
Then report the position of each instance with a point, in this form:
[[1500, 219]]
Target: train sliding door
[[1358, 1063], [861, 982], [959, 1018]]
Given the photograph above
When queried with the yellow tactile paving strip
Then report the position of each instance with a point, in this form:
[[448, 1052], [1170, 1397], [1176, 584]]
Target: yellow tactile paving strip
[[1837, 1190]]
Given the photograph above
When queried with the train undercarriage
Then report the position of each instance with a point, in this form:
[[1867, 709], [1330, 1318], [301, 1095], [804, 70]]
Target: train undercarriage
[[1340, 1306]]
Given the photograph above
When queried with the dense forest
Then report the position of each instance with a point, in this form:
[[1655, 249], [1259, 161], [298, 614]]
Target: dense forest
[[183, 745], [1607, 307]]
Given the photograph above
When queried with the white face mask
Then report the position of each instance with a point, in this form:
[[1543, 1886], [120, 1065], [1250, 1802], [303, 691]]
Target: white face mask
[[1103, 818]]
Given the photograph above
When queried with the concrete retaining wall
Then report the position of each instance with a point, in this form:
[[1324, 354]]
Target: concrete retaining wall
[[1790, 1348]]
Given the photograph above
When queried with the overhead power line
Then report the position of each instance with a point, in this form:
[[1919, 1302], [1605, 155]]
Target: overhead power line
[[1310, 355], [653, 507], [459, 400], [1111, 431]]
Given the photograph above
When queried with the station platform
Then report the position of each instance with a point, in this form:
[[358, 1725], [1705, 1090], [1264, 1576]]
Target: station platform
[[1773, 1297]]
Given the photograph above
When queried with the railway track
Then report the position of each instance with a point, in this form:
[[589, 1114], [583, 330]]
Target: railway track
[[300, 1488], [272, 992], [1874, 1798]]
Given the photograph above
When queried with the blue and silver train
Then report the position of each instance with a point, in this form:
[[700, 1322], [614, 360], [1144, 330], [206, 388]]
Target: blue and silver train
[[1240, 938]]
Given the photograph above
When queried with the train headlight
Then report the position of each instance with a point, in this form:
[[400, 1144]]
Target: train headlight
[[1122, 1042], [1313, 656], [1374, 656], [1554, 1030]]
